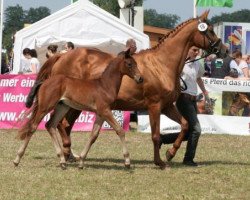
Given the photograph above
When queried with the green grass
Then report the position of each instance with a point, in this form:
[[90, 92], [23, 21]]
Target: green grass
[[224, 174]]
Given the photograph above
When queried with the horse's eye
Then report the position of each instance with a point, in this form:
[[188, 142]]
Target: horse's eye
[[129, 65]]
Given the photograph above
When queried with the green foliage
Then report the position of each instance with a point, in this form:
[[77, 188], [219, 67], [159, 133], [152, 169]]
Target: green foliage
[[238, 16], [152, 18], [16, 17], [35, 14]]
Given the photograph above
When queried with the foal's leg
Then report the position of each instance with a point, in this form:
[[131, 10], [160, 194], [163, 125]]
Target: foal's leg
[[60, 111], [64, 131], [154, 117], [21, 150], [31, 128], [94, 134], [108, 116], [172, 113]]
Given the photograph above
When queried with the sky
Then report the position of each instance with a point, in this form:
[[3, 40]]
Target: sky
[[182, 8]]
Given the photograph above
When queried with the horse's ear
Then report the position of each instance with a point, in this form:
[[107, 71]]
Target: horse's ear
[[204, 15], [127, 53]]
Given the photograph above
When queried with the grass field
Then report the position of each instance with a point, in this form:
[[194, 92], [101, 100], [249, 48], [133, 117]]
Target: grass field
[[224, 174]]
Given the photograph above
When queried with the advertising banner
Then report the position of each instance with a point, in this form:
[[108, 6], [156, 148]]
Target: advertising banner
[[13, 93], [233, 36], [231, 111]]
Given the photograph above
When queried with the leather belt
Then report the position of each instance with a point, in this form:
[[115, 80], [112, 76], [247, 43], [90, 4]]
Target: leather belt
[[188, 96]]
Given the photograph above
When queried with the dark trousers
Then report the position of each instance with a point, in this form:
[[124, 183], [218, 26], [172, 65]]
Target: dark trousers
[[188, 110]]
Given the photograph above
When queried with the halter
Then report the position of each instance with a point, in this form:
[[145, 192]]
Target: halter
[[213, 46]]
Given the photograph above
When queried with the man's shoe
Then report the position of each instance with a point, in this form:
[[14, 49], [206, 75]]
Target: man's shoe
[[190, 163]]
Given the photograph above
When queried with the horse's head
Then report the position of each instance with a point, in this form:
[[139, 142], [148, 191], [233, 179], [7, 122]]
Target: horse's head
[[129, 67], [206, 38], [242, 99]]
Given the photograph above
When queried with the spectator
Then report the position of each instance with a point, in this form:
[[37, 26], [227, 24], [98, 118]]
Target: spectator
[[239, 66], [4, 64], [34, 64], [68, 47], [130, 44], [207, 65], [51, 50], [247, 59], [221, 67]]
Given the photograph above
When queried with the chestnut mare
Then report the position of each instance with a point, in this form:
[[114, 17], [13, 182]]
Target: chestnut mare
[[60, 93], [161, 67]]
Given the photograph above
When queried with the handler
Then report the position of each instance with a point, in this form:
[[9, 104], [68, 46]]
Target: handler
[[186, 105]]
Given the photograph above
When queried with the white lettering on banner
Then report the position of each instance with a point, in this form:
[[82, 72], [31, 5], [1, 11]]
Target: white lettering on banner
[[87, 118], [8, 82], [8, 116], [9, 97], [27, 83]]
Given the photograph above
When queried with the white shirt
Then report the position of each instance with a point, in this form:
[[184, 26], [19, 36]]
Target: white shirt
[[35, 61], [242, 65], [25, 65], [190, 73]]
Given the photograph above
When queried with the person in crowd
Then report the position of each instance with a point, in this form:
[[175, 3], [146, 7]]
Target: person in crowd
[[51, 50], [4, 64], [34, 64], [247, 59], [130, 44], [207, 65], [238, 67], [221, 67], [186, 105], [68, 47]]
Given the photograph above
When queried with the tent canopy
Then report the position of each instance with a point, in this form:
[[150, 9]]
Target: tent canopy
[[82, 23]]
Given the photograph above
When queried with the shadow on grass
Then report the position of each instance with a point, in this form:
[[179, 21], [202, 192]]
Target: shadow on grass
[[210, 163], [104, 163]]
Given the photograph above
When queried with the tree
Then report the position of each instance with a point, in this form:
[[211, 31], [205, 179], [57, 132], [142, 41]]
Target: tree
[[151, 17], [16, 17], [238, 16], [35, 14]]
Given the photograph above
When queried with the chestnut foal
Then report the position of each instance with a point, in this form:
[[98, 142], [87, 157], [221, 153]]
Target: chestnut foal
[[62, 93]]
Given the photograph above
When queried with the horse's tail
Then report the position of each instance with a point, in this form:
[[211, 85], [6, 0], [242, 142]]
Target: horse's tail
[[45, 71], [27, 128], [42, 75]]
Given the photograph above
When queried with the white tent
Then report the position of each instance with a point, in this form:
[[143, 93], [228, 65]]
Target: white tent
[[82, 23]]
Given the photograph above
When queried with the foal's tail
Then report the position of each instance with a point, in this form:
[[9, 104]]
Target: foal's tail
[[42, 75], [27, 128]]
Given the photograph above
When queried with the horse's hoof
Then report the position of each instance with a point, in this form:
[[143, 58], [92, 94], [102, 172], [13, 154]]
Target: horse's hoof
[[63, 166], [80, 166], [169, 156], [127, 166], [71, 159], [165, 167], [15, 163]]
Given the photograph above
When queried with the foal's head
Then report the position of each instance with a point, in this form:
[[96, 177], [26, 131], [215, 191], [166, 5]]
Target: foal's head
[[129, 67]]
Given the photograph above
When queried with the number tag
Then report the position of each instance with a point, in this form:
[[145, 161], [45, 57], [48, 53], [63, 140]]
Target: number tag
[[202, 27]]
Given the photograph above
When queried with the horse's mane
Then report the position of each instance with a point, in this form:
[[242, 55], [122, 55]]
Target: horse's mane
[[171, 33]]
